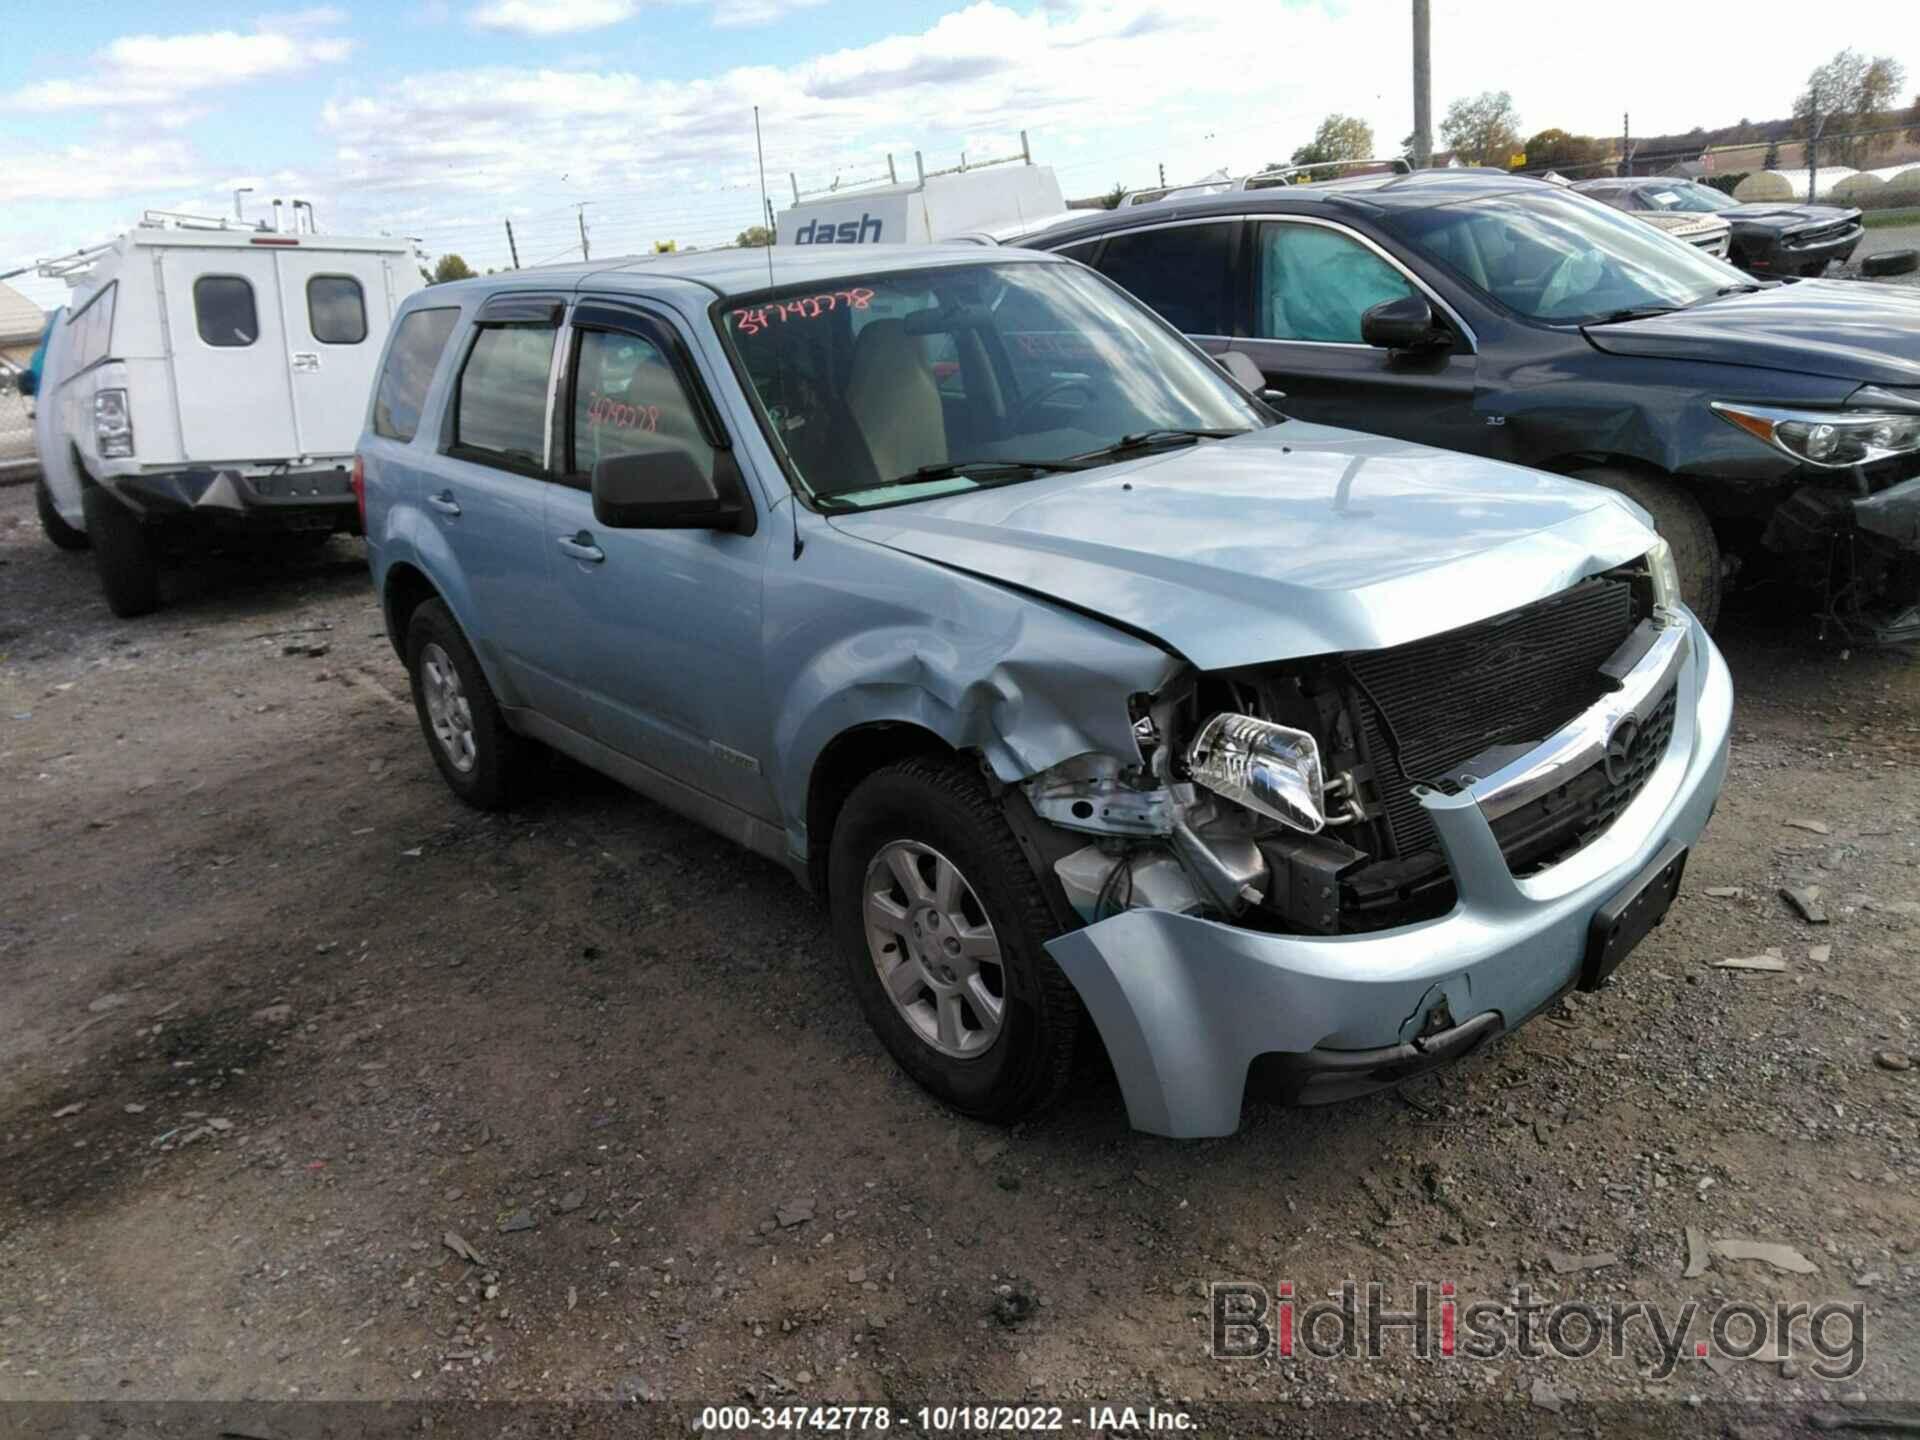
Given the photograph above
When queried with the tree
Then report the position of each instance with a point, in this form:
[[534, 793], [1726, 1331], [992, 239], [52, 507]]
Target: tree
[[753, 236], [1340, 137], [1111, 200], [1913, 118], [1557, 150], [1772, 158], [1849, 92], [450, 267], [665, 247], [1484, 130]]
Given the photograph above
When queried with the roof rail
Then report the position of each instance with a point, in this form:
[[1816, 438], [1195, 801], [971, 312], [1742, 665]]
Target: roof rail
[[892, 177], [181, 220], [1259, 180], [70, 267]]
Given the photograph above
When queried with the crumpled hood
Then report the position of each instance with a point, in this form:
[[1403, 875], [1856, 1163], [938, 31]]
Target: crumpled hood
[[1296, 540], [1841, 329]]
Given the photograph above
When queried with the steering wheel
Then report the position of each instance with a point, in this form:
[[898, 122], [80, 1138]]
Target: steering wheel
[[1045, 393]]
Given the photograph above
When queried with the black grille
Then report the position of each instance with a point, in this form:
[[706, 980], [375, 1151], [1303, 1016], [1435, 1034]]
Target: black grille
[[1427, 707], [1551, 828]]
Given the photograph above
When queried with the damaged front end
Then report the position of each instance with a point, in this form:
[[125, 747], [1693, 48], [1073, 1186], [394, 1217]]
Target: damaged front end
[[1287, 797], [1850, 531], [1361, 865]]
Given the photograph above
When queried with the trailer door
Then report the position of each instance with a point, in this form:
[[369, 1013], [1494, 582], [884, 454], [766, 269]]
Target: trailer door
[[336, 310], [229, 355]]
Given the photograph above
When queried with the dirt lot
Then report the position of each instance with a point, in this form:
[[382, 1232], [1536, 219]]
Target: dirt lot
[[280, 1016]]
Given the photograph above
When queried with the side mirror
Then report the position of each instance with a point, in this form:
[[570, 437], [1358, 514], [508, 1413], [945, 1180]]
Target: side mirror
[[1404, 324], [665, 489], [26, 382]]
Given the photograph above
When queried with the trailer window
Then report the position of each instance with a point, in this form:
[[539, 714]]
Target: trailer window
[[501, 410], [224, 312], [336, 310], [418, 341]]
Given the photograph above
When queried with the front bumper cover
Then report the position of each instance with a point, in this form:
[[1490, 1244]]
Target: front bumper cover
[[1186, 1005]]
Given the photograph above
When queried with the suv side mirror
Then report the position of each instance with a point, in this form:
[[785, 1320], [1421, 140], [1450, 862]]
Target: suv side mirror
[[1404, 324], [665, 490]]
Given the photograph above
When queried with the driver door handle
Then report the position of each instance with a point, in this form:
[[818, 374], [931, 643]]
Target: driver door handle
[[444, 502], [581, 547]]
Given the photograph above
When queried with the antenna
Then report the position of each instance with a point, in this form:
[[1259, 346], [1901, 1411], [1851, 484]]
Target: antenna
[[765, 204], [779, 352]]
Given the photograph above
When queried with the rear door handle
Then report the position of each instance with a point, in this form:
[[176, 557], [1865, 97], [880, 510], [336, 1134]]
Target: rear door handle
[[581, 547], [444, 502]]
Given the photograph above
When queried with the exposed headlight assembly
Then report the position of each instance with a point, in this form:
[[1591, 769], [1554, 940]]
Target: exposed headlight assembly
[[1268, 768], [1831, 439], [112, 423]]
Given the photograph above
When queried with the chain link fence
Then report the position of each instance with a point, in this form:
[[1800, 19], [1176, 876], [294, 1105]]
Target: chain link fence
[[19, 458]]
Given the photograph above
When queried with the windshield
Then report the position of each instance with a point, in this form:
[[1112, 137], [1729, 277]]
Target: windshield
[[892, 387], [1686, 196], [1562, 258]]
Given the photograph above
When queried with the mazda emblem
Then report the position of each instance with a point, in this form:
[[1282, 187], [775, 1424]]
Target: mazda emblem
[[1620, 750]]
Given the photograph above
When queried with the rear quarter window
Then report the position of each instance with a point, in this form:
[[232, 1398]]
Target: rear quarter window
[[1183, 271], [224, 312], [336, 310], [418, 342]]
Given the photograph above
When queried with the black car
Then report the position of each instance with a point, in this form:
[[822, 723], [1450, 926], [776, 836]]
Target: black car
[[1771, 429], [1769, 237]]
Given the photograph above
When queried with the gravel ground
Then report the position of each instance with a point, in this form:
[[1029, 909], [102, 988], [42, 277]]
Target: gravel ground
[[286, 1027], [1892, 237]]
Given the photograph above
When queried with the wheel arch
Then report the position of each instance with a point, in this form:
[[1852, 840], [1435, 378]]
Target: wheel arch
[[846, 760], [407, 588]]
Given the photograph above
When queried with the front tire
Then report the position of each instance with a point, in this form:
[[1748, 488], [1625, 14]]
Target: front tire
[[479, 757], [124, 552], [1678, 520], [942, 926], [56, 529]]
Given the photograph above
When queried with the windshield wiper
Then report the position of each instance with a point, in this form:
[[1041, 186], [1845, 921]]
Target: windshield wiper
[[1148, 439], [1634, 312], [986, 471], [985, 465]]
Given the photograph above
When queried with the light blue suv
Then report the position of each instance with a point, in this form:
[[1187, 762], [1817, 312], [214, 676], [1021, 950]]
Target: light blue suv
[[1072, 676]]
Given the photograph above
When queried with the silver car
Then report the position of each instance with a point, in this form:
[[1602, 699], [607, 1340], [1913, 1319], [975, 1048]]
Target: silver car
[[1074, 678]]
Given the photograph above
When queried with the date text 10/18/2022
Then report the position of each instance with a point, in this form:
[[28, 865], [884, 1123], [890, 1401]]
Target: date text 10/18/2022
[[947, 1419]]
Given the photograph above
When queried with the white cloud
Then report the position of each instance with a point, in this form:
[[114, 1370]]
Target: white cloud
[[152, 70], [95, 172], [550, 17], [741, 14]]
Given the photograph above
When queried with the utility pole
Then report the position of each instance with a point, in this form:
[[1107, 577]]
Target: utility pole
[[1422, 84], [1163, 172], [512, 249], [1815, 124], [1626, 143], [585, 252]]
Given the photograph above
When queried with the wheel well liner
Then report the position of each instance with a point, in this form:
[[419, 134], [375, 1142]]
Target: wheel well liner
[[407, 590], [848, 759]]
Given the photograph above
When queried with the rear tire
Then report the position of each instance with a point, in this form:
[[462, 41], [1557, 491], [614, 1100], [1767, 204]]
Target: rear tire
[[124, 553], [56, 529], [936, 816], [1679, 520], [480, 758]]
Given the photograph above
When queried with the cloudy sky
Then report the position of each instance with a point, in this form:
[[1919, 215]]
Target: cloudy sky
[[438, 118]]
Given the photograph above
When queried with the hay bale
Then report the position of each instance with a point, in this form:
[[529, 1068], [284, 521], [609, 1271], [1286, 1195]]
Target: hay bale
[[1859, 186], [1764, 185], [1905, 185]]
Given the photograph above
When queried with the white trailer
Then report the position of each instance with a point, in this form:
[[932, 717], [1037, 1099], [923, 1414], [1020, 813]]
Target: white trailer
[[213, 376], [934, 205]]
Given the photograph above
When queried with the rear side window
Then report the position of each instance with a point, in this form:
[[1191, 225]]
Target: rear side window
[[1183, 271], [223, 311], [90, 330], [501, 410], [411, 360], [336, 310]]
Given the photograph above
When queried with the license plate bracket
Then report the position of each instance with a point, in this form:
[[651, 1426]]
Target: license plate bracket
[[1625, 920]]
